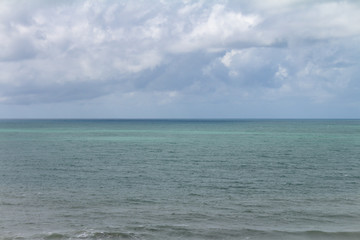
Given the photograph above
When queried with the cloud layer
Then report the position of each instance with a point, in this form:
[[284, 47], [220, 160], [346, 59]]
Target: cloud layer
[[203, 58]]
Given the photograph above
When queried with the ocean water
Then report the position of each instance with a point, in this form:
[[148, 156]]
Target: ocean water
[[180, 179]]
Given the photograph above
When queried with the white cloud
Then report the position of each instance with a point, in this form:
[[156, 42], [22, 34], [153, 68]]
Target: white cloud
[[282, 73], [136, 63], [216, 28], [190, 7], [227, 58], [322, 20], [169, 51]]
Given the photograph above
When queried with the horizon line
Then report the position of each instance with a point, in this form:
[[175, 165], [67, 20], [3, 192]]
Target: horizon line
[[204, 118]]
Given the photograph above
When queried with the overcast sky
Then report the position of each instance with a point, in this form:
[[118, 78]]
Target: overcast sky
[[180, 59]]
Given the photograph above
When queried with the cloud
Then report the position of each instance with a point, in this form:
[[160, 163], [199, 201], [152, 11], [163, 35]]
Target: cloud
[[304, 22], [312, 72], [217, 29], [179, 51]]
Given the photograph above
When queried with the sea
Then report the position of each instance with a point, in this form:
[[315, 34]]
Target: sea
[[245, 179]]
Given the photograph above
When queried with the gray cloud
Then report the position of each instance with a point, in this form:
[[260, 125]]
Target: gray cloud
[[178, 52]]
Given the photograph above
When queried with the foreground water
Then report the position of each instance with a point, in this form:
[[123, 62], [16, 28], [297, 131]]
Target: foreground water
[[180, 179]]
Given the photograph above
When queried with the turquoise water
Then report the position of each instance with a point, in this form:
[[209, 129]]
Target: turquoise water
[[180, 179]]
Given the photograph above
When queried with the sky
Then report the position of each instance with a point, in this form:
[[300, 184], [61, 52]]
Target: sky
[[179, 59]]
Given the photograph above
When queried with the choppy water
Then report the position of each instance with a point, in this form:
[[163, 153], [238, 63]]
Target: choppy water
[[180, 179]]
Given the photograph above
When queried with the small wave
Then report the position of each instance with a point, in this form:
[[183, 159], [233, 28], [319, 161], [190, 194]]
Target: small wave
[[90, 235], [186, 232], [328, 235], [9, 204], [302, 235], [106, 235], [55, 236]]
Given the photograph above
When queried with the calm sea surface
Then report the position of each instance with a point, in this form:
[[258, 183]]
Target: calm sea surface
[[180, 179]]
